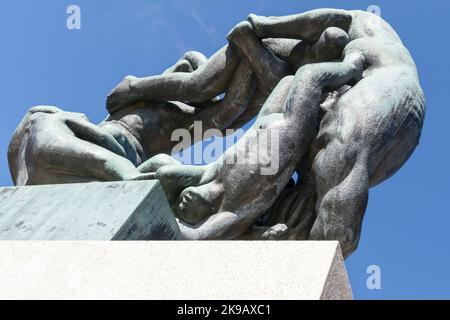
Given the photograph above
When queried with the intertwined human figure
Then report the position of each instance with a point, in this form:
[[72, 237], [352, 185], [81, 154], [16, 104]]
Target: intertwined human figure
[[339, 88]]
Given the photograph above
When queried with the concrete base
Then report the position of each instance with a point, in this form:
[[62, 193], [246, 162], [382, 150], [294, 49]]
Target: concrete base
[[173, 270], [135, 210]]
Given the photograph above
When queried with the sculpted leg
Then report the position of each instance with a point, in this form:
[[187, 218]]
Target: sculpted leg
[[343, 193], [221, 114], [205, 83], [275, 232]]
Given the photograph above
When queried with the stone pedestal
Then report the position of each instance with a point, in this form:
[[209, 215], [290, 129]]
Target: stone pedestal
[[174, 270], [135, 210]]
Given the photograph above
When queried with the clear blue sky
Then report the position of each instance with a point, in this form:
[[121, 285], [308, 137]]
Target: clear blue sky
[[406, 230]]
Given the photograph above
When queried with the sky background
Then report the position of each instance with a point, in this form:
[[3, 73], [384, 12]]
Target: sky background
[[407, 223]]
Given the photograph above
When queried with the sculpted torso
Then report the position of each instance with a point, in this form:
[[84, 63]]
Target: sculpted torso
[[363, 117]]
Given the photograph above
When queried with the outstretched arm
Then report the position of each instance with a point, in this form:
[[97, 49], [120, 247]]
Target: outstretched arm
[[304, 26]]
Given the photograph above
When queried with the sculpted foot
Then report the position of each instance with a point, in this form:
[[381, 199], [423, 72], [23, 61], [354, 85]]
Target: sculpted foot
[[275, 232], [121, 95]]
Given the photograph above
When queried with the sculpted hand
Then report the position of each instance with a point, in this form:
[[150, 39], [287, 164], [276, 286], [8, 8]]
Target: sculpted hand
[[275, 232], [122, 95]]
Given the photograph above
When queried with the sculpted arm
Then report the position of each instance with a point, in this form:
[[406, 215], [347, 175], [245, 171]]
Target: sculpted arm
[[304, 26]]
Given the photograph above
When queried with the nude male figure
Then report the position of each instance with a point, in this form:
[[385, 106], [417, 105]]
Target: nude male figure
[[365, 136]]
